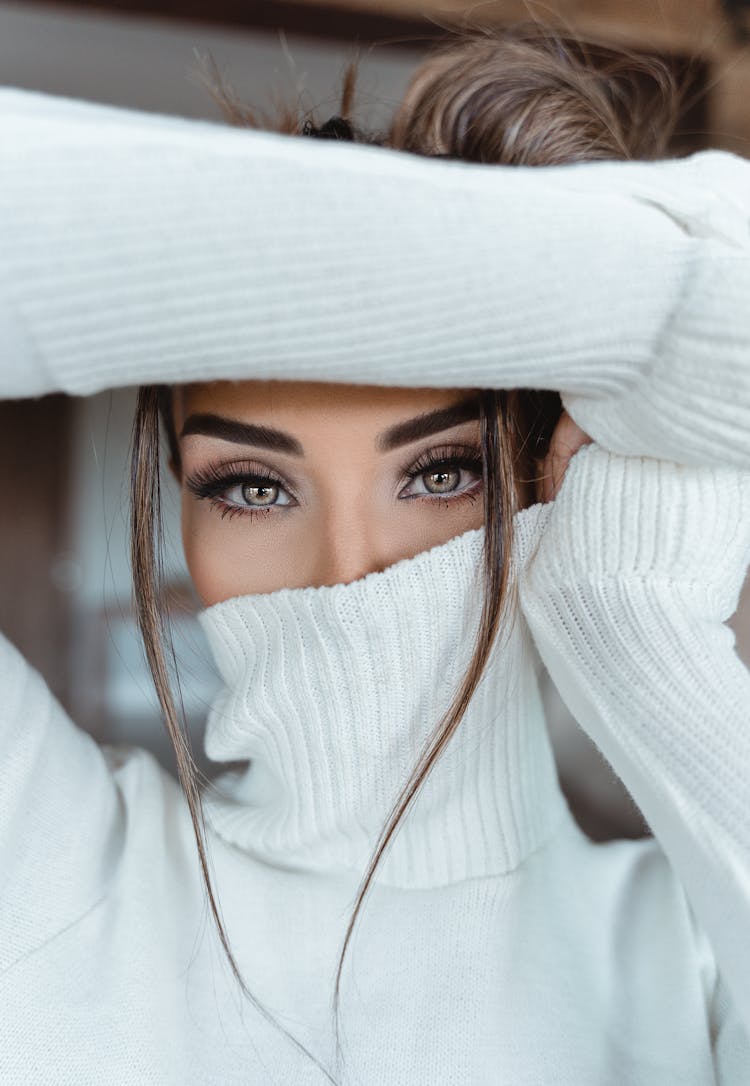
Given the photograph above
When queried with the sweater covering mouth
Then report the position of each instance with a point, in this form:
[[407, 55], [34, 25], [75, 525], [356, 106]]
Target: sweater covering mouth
[[329, 696]]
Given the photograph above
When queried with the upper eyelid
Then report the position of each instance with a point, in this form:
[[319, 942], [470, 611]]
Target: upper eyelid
[[249, 466], [236, 468], [462, 435], [446, 451]]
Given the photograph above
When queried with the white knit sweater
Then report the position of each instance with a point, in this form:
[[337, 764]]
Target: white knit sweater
[[498, 944]]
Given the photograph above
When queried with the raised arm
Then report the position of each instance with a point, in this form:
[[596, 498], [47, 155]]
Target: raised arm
[[138, 248], [640, 564]]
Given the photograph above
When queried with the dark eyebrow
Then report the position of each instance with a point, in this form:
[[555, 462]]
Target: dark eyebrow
[[266, 437], [241, 433], [430, 423]]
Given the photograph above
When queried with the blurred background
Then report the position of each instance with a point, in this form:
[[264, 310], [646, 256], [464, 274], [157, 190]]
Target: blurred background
[[65, 596]]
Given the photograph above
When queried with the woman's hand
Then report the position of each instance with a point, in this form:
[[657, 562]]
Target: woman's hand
[[567, 438]]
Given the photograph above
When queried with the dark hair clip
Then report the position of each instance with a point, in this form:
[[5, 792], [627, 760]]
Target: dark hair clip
[[335, 128]]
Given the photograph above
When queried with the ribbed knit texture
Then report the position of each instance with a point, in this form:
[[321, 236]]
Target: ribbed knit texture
[[331, 691], [644, 619], [498, 944], [140, 247], [531, 957]]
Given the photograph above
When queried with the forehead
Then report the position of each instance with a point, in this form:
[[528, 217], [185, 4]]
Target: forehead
[[309, 401]]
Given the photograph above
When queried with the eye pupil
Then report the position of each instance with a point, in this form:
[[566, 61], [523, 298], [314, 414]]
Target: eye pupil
[[259, 495], [446, 481]]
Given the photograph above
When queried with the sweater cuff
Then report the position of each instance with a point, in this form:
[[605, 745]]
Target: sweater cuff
[[678, 394], [650, 520]]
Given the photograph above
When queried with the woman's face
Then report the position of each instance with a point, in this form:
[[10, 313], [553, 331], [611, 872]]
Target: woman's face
[[287, 484]]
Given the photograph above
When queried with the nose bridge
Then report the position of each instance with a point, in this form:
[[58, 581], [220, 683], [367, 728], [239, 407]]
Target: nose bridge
[[350, 544]]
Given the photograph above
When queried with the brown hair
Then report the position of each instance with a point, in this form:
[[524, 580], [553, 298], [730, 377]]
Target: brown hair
[[522, 95]]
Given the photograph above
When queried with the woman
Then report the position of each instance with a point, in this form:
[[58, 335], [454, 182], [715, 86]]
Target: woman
[[380, 700]]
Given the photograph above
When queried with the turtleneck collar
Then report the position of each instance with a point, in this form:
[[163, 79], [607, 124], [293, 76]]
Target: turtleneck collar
[[329, 695]]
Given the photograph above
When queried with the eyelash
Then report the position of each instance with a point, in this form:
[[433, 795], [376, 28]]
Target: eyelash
[[450, 456], [211, 482]]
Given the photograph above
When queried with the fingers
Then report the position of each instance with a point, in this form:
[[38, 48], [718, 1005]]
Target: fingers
[[567, 439]]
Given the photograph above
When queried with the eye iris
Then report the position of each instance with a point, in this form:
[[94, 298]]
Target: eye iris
[[441, 482], [259, 495]]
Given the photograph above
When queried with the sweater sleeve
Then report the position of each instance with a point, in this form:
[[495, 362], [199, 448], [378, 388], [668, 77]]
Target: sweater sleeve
[[139, 248], [640, 563], [61, 820]]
